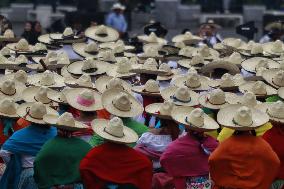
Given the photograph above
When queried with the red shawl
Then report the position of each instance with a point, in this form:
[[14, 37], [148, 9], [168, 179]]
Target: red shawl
[[243, 161], [275, 137], [116, 163]]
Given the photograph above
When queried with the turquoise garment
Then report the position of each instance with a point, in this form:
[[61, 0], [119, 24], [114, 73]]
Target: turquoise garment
[[8, 125]]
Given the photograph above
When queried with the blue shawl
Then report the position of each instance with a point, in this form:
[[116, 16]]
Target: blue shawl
[[27, 141]]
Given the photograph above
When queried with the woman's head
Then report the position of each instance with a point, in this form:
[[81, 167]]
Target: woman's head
[[28, 26], [37, 27], [169, 127]]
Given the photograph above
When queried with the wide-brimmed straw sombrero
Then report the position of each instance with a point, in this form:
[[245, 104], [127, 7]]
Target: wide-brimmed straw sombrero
[[65, 121], [8, 108], [20, 76], [47, 79], [112, 45], [67, 37], [149, 67], [281, 92], [220, 64], [34, 112], [193, 81], [37, 94], [11, 89], [235, 58], [84, 99], [194, 119], [104, 83], [206, 52], [102, 33], [21, 46], [196, 61], [152, 38], [233, 42], [58, 96], [274, 48], [160, 110], [181, 96], [259, 88], [86, 50], [84, 81], [239, 117], [8, 36], [217, 99], [120, 103], [187, 38], [114, 130], [228, 82], [170, 72], [248, 99], [151, 52], [151, 88], [274, 77], [275, 110], [253, 64], [89, 67], [122, 69], [6, 52]]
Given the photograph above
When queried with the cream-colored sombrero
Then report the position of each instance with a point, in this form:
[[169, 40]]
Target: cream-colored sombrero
[[11, 89], [274, 48], [193, 81], [187, 38], [196, 61], [114, 130], [58, 96], [281, 92], [217, 99], [274, 77], [239, 117], [151, 88], [34, 112], [235, 58], [112, 45], [84, 81], [152, 38], [219, 47], [8, 36], [259, 88], [37, 94], [47, 79], [5, 51], [220, 64], [120, 103], [82, 99], [186, 52], [170, 72], [194, 119], [253, 64], [233, 42], [149, 67], [206, 52], [104, 83], [44, 39], [86, 50], [21, 46], [8, 108], [228, 82], [275, 110], [19, 76], [180, 96], [89, 67], [67, 37], [122, 69], [67, 75], [107, 56], [65, 121], [151, 52], [248, 99], [160, 110], [102, 33]]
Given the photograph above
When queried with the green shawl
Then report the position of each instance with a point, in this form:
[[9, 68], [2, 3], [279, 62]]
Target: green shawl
[[58, 162], [138, 127]]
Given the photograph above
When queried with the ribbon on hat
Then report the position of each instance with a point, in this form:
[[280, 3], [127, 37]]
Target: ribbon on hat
[[85, 102]]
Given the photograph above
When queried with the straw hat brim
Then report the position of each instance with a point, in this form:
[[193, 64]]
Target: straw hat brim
[[10, 40], [58, 80], [210, 68], [180, 114], [11, 76], [52, 120], [154, 109], [204, 81], [76, 68], [230, 98], [12, 46], [281, 92], [66, 74], [169, 92], [55, 96], [181, 38], [79, 48], [73, 83], [44, 39], [230, 42], [145, 39], [187, 63], [247, 87], [267, 47], [72, 95], [152, 45], [226, 115], [112, 34], [113, 73], [57, 37], [18, 94], [111, 45], [213, 54], [140, 90], [2, 114], [101, 84], [264, 107], [139, 68], [168, 76], [236, 82], [250, 64], [268, 76], [22, 112], [29, 94], [109, 95], [129, 137]]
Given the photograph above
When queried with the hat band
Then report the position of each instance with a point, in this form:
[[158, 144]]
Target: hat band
[[28, 114], [9, 94], [192, 87], [208, 100], [113, 134], [85, 102], [236, 123], [179, 100]]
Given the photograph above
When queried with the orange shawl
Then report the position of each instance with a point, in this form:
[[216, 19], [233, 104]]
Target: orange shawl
[[243, 161]]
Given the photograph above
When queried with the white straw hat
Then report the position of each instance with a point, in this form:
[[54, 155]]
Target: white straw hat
[[85, 100], [228, 82], [274, 77], [275, 110], [235, 58], [220, 64], [151, 52], [181, 96], [187, 38], [37, 94], [149, 67], [206, 52], [253, 64], [248, 99], [274, 48], [20, 46], [120, 103], [102, 33], [89, 66], [281, 92], [20, 76], [104, 83], [122, 69], [47, 79], [84, 81], [194, 119], [58, 96], [151, 88], [193, 81], [152, 38], [65, 121], [34, 112], [233, 42], [11, 89], [160, 110], [239, 117], [186, 52], [86, 50], [8, 108], [170, 72], [114, 130], [259, 88]]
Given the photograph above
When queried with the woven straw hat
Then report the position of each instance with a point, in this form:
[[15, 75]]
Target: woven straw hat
[[281, 92], [122, 69], [160, 110], [274, 48], [170, 72], [20, 46], [67, 37], [37, 94], [275, 110], [58, 97], [194, 119], [228, 82], [85, 100], [106, 82], [107, 56], [186, 52], [86, 50], [149, 67], [151, 88], [187, 38], [65, 121], [220, 64], [151, 52], [235, 58], [114, 130], [112, 45], [34, 112], [11, 89], [8, 36], [5, 51], [152, 38], [248, 99], [89, 67], [196, 61], [274, 77], [20, 76], [193, 81], [120, 103], [217, 99], [102, 33], [233, 42], [239, 117], [253, 64], [181, 96], [8, 108], [259, 88], [47, 79], [84, 81], [206, 52]]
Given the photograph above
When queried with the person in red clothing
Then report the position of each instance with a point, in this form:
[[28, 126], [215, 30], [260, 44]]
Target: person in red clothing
[[114, 163]]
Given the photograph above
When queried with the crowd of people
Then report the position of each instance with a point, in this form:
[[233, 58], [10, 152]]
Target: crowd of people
[[87, 110]]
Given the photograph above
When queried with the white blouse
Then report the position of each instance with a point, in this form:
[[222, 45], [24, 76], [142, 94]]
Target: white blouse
[[27, 160], [155, 142]]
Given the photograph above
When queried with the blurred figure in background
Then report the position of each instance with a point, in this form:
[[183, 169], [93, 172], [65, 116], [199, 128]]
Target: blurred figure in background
[[28, 33], [117, 20], [4, 24], [209, 32], [37, 30], [275, 32]]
